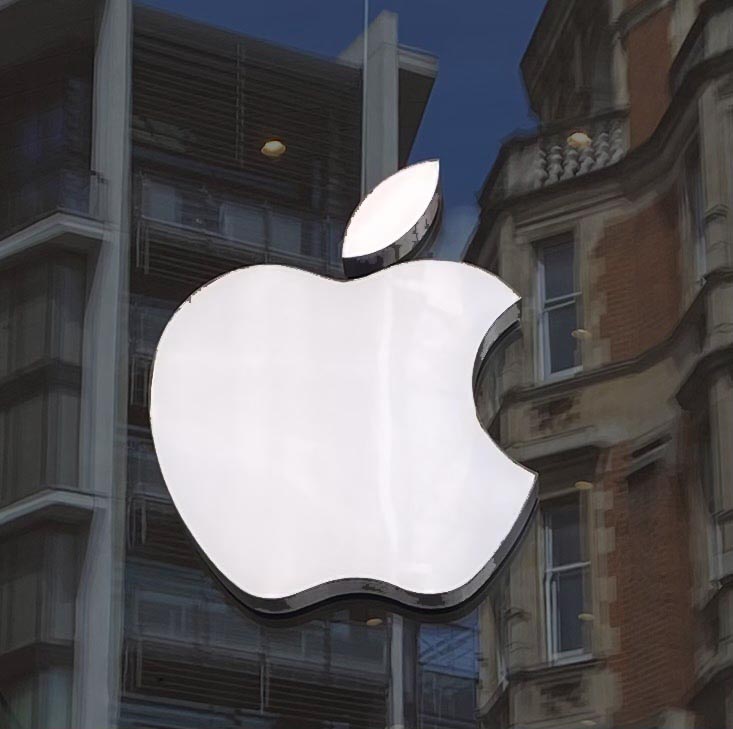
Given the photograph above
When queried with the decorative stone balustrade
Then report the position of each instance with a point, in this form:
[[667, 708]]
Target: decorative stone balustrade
[[558, 159], [532, 163]]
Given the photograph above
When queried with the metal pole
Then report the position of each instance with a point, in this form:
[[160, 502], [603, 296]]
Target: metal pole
[[396, 690], [365, 39]]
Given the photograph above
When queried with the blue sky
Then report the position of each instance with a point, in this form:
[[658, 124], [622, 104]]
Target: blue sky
[[478, 99]]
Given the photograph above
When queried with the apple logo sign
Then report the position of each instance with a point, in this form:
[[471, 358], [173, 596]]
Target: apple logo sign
[[319, 438]]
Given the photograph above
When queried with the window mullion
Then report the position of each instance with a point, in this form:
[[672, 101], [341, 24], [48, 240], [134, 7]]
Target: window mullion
[[560, 301]]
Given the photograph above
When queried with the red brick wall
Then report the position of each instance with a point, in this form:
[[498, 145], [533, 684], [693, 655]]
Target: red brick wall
[[653, 611], [649, 57], [641, 279]]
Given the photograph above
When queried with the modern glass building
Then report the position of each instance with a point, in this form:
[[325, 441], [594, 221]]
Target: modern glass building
[[133, 173]]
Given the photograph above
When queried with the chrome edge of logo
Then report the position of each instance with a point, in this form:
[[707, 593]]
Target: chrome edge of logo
[[397, 599]]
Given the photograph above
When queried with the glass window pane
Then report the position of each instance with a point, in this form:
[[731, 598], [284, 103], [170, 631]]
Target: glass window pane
[[559, 270], [244, 223], [160, 202], [30, 317], [4, 452], [564, 523], [30, 139], [336, 237], [67, 457], [287, 233], [69, 309], [563, 346], [446, 700], [160, 617], [5, 324], [20, 698], [20, 583], [570, 601], [28, 424], [351, 642], [59, 682], [195, 210], [61, 569], [227, 626]]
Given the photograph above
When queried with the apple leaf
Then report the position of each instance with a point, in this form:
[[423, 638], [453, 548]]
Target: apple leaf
[[391, 209]]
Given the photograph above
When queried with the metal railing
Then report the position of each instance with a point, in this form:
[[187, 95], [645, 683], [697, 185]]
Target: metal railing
[[191, 234]]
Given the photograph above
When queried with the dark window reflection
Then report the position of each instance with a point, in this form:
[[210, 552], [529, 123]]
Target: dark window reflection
[[565, 577], [41, 320], [560, 302], [45, 138]]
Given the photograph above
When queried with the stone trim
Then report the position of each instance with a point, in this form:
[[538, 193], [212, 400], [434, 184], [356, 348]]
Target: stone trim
[[619, 369], [637, 14]]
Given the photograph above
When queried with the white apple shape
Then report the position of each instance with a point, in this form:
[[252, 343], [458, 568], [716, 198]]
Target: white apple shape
[[391, 209], [319, 437]]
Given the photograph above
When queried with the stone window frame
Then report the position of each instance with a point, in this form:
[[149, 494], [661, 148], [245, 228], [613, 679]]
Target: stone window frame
[[548, 571]]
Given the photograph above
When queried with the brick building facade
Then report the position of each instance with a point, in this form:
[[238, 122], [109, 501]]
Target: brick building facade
[[613, 223]]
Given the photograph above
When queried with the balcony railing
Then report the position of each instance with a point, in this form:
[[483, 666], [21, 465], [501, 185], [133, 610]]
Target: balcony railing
[[557, 154], [74, 191], [300, 692], [190, 235]]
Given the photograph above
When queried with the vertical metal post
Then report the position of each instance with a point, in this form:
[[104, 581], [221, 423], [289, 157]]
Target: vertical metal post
[[364, 74], [396, 692]]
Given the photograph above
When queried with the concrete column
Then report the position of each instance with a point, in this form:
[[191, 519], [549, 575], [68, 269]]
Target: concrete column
[[382, 98], [98, 636]]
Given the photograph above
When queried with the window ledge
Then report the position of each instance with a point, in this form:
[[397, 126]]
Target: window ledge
[[54, 504], [73, 231], [542, 670], [560, 376]]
